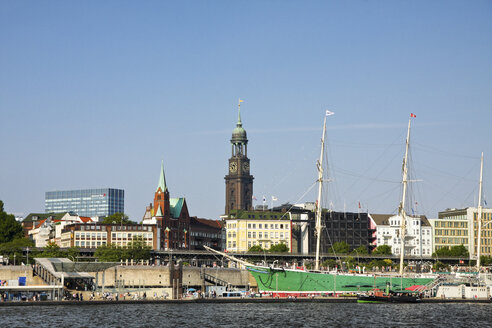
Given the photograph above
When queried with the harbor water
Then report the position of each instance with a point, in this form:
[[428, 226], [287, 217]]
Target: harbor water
[[249, 315]]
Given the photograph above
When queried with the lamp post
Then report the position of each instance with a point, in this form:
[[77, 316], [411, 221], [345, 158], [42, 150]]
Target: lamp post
[[14, 259]]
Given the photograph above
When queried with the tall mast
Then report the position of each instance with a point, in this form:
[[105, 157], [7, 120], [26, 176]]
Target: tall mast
[[320, 189], [479, 236], [401, 209]]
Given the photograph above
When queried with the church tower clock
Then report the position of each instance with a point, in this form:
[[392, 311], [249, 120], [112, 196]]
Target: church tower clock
[[239, 181]]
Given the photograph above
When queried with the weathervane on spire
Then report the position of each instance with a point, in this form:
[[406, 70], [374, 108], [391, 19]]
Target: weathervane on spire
[[239, 112]]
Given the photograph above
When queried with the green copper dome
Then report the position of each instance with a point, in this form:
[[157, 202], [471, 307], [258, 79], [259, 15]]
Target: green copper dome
[[239, 133]]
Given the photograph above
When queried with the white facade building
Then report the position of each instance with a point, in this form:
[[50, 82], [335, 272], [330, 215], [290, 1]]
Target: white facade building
[[418, 235]]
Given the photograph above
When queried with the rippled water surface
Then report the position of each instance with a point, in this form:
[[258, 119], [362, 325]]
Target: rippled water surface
[[250, 315]]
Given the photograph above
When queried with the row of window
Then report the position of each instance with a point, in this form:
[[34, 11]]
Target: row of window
[[447, 232], [90, 235], [272, 226], [264, 245], [449, 224], [205, 234], [263, 216], [130, 236], [447, 240], [266, 234]]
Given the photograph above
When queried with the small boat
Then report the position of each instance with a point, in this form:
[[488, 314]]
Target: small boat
[[390, 296]]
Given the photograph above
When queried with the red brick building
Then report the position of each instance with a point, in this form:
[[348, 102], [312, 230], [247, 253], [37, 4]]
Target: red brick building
[[171, 217]]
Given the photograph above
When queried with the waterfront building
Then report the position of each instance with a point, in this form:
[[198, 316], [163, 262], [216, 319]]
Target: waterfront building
[[204, 232], [171, 216], [418, 234], [87, 202], [94, 235], [351, 228], [302, 218], [455, 227], [43, 228], [239, 181], [245, 229]]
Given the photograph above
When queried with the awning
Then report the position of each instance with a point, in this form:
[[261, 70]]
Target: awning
[[416, 288]]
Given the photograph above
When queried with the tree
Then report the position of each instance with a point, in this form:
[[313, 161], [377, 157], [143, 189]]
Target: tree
[[382, 250], [341, 247], [439, 266], [10, 229], [138, 250], [279, 248], [255, 249], [330, 263], [15, 247], [117, 218], [361, 250], [456, 251], [109, 253], [52, 250], [73, 253]]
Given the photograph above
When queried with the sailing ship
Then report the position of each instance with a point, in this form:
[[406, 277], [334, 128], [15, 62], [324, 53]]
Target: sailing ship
[[286, 282]]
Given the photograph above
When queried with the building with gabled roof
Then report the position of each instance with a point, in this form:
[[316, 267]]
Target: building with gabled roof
[[418, 240]]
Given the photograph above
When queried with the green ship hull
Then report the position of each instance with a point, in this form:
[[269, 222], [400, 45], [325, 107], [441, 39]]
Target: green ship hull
[[288, 282]]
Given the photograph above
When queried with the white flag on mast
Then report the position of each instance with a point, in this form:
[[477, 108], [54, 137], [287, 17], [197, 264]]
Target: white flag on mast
[[329, 113]]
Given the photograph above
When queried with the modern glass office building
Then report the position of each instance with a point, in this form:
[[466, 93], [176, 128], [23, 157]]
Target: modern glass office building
[[87, 202]]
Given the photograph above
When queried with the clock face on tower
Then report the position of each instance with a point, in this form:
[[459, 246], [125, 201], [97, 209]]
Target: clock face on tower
[[233, 167], [246, 167]]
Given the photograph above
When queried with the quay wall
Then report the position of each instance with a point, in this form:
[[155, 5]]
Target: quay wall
[[13, 272], [163, 276]]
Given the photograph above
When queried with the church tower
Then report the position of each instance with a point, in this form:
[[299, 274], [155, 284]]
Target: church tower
[[161, 198], [239, 182]]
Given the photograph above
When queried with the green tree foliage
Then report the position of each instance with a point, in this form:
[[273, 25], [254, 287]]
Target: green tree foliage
[[117, 218], [381, 263], [383, 250], [138, 250], [52, 250], [109, 253], [72, 253], [439, 266], [329, 263], [10, 229], [279, 248], [361, 250], [485, 260], [351, 262], [15, 247], [456, 251], [255, 249], [341, 247]]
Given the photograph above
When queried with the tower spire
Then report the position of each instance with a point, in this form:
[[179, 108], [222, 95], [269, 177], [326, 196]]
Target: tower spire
[[239, 123], [162, 179]]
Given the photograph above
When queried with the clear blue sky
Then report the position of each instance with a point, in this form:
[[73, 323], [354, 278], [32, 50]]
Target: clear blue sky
[[97, 93]]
